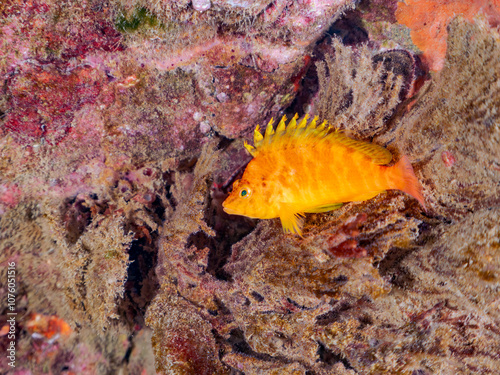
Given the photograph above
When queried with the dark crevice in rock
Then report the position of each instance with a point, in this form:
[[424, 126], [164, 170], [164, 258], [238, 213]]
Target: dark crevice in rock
[[240, 345], [330, 358], [258, 297], [391, 267], [142, 283], [77, 216], [335, 314], [229, 230], [349, 29]]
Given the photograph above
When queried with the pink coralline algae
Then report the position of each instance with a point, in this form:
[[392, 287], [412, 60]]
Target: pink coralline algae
[[448, 158], [29, 24], [43, 99], [10, 195], [45, 85]]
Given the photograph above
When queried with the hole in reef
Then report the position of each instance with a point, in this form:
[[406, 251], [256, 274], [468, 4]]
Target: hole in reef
[[187, 164], [126, 357], [258, 297], [168, 177], [142, 283], [334, 314], [365, 320], [228, 234], [224, 142], [158, 209], [229, 230], [330, 358], [349, 29], [391, 266], [309, 86], [76, 215], [240, 345], [238, 342], [76, 218]]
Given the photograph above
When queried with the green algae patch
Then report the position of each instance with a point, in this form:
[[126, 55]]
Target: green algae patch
[[140, 17]]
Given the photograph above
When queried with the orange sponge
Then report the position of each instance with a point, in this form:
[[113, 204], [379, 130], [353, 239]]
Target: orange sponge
[[428, 21]]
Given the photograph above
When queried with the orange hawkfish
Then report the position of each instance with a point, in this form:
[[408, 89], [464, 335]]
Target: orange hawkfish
[[304, 167]]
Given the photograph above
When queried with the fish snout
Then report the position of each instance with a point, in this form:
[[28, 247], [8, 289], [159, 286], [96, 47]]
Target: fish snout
[[227, 210]]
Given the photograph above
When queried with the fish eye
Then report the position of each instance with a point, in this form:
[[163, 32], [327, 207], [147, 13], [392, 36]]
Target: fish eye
[[245, 193]]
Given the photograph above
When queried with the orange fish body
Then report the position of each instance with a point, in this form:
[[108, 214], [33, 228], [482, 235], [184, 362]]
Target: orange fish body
[[304, 168]]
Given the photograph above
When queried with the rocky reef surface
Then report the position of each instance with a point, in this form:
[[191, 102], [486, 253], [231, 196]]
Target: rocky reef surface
[[121, 131]]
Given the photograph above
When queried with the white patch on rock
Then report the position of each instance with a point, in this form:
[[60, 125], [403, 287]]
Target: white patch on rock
[[201, 5]]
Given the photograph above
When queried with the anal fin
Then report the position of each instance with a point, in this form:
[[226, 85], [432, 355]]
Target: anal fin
[[325, 208]]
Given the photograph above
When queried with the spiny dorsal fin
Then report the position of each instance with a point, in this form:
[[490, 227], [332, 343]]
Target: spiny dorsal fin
[[284, 133], [305, 131]]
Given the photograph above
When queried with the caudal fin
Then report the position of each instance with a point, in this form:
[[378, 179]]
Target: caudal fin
[[405, 180]]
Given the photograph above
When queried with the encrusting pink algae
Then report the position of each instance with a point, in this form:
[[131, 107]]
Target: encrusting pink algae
[[123, 128]]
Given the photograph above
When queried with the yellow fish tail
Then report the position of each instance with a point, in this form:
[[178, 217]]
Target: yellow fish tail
[[405, 180]]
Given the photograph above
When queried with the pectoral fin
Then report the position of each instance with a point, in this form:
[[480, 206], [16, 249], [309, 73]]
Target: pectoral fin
[[325, 208], [291, 221]]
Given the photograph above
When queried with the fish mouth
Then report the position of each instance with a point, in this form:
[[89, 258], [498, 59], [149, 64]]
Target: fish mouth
[[229, 210]]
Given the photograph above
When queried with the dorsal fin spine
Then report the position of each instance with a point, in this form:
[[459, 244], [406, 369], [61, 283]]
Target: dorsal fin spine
[[249, 148], [257, 137], [281, 126], [268, 134], [322, 126], [312, 124], [269, 130], [292, 125], [303, 122]]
